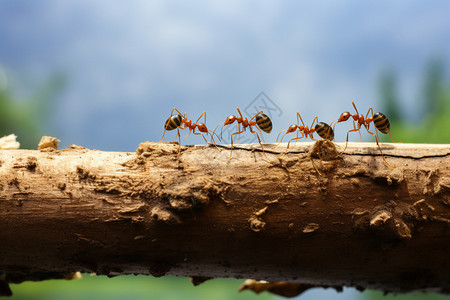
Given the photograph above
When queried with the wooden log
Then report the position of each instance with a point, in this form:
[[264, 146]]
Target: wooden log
[[316, 218]]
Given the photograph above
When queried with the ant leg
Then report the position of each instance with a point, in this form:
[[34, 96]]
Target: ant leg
[[239, 111], [346, 142], [214, 132], [239, 124], [203, 136], [204, 119], [300, 118], [379, 148], [262, 148], [212, 140], [355, 108], [312, 161], [391, 137], [280, 140], [316, 119], [179, 141], [239, 129], [259, 140], [163, 135], [231, 149], [296, 138], [367, 127], [259, 132], [190, 130], [355, 129], [260, 112]]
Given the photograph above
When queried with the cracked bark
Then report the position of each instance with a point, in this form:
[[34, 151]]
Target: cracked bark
[[192, 213]]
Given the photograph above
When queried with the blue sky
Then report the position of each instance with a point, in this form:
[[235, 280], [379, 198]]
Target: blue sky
[[129, 63]]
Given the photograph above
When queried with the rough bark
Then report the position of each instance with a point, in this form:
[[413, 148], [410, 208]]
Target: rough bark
[[189, 211]]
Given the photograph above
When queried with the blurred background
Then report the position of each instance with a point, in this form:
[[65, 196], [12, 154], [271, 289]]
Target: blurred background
[[106, 75]]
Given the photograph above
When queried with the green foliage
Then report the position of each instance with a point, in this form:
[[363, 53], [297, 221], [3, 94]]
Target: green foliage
[[388, 90], [26, 117], [133, 287], [435, 124], [377, 295]]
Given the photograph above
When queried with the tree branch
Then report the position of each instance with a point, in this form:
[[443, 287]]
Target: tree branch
[[188, 211]]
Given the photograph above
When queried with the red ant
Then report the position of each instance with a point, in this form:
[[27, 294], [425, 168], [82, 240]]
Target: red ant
[[323, 130], [262, 122], [380, 121], [176, 121]]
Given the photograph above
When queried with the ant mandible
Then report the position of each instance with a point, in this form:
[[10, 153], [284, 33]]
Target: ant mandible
[[323, 130], [380, 121], [178, 120], [262, 122]]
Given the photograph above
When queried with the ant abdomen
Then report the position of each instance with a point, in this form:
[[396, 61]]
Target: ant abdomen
[[264, 123], [324, 131], [173, 122], [381, 122]]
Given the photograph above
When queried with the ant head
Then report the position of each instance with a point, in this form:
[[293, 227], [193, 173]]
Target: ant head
[[292, 128], [202, 127], [344, 116], [230, 120]]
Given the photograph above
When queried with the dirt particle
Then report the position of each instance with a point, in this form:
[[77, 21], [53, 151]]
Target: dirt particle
[[62, 186], [392, 221], [261, 211], [32, 163], [77, 148], [380, 218], [256, 224], [402, 229], [311, 227], [164, 216], [84, 174], [354, 181], [359, 212], [324, 150], [147, 149], [48, 142], [15, 182], [197, 280], [271, 202], [159, 269]]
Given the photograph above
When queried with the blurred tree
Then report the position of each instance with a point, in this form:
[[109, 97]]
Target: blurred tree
[[389, 95], [436, 107], [434, 86], [27, 117]]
